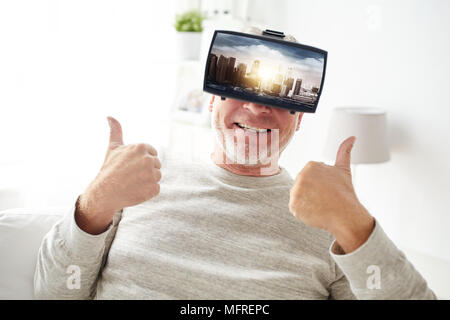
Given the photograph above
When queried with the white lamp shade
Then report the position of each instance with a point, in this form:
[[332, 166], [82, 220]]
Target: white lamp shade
[[368, 125]]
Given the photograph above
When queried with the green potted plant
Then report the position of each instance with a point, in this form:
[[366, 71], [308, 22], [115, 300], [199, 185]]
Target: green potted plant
[[189, 27]]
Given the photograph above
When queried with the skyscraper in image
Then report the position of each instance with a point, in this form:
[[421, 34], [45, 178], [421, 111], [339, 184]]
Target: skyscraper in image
[[241, 71], [212, 67], [230, 69], [298, 86], [221, 69], [255, 68]]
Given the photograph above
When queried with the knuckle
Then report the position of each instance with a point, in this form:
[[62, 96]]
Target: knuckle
[[157, 163], [132, 148], [157, 175], [140, 147], [151, 177], [145, 148], [302, 178], [310, 164], [309, 171], [149, 161], [313, 164], [153, 150], [154, 189]]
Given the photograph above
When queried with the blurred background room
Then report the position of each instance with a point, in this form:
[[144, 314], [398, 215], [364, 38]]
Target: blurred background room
[[66, 65]]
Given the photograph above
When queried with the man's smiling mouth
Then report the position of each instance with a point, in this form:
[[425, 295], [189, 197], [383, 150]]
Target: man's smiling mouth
[[250, 128]]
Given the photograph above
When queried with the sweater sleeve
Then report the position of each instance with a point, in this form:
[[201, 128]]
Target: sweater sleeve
[[340, 288], [379, 270], [69, 260]]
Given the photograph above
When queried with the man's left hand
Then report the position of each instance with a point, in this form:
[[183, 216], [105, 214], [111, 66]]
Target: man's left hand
[[323, 197]]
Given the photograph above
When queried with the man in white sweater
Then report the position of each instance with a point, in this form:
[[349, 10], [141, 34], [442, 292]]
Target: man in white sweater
[[157, 226]]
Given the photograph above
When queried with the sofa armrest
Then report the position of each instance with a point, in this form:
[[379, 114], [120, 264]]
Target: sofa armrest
[[21, 234]]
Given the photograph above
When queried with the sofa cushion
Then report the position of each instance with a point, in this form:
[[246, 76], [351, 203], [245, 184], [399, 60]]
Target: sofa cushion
[[21, 234]]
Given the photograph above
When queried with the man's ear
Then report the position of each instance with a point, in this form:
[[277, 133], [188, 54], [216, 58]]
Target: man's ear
[[300, 116], [211, 103]]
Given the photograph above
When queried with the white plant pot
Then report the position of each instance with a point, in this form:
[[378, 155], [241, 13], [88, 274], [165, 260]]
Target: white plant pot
[[188, 45]]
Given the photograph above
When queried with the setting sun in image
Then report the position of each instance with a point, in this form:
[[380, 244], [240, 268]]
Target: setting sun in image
[[266, 72]]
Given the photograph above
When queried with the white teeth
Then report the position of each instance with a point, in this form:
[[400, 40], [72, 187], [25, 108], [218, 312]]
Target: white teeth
[[251, 128]]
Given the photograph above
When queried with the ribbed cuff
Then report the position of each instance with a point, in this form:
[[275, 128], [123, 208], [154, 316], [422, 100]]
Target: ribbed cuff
[[377, 254], [80, 242]]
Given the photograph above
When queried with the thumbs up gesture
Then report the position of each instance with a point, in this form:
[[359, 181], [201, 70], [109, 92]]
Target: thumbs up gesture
[[323, 197], [129, 176]]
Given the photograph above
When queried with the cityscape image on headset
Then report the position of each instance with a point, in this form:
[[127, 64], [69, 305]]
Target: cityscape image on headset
[[265, 70]]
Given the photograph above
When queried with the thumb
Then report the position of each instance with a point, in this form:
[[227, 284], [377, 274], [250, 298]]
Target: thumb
[[343, 156], [115, 133]]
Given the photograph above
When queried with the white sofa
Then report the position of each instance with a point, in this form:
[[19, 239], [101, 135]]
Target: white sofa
[[22, 231], [21, 234]]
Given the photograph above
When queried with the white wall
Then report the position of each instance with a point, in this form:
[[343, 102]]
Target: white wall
[[394, 55], [64, 67]]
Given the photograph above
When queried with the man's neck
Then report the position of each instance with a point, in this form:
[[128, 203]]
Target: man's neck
[[259, 170]]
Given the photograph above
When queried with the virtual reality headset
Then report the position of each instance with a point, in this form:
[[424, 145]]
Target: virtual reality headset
[[265, 69]]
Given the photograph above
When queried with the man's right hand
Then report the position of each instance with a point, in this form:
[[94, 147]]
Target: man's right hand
[[129, 176]]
